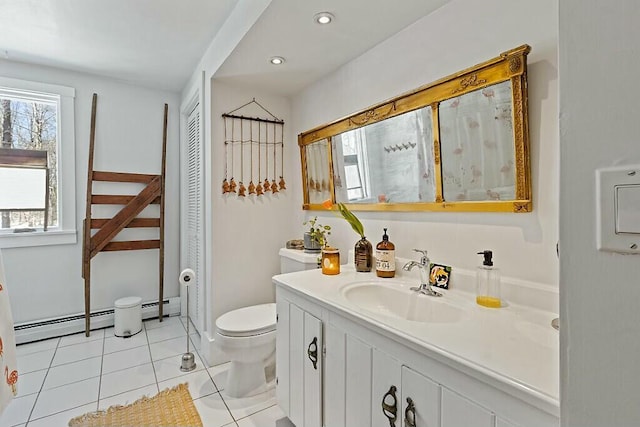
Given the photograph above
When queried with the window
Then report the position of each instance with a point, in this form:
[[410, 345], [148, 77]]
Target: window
[[37, 164]]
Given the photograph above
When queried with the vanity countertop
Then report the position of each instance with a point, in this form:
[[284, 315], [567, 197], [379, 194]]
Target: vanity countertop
[[513, 346]]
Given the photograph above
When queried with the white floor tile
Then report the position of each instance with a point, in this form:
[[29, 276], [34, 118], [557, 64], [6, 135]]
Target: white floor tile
[[18, 411], [76, 352], [243, 407], [170, 367], [195, 340], [213, 412], [128, 397], [66, 397], [166, 333], [62, 419], [270, 417], [125, 359], [126, 380], [35, 361], [31, 383], [36, 347], [73, 372], [219, 374], [200, 384], [166, 321], [113, 344], [163, 349], [80, 338]]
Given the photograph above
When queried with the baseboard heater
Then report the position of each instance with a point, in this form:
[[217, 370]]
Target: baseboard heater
[[67, 325]]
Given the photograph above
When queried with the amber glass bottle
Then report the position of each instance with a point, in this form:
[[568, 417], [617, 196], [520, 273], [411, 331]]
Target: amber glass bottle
[[363, 254], [385, 257]]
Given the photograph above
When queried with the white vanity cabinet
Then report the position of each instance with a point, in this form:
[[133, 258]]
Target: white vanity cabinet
[[371, 375], [299, 364]]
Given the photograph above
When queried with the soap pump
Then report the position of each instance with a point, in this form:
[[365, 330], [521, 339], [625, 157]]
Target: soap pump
[[488, 282]]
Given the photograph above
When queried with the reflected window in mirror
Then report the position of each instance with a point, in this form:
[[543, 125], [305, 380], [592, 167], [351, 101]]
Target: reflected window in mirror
[[389, 161]]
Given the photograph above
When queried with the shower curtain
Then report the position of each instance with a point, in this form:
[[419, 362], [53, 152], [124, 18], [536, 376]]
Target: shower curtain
[[9, 383]]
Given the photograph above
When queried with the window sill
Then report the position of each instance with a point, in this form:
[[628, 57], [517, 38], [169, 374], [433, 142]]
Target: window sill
[[38, 238]]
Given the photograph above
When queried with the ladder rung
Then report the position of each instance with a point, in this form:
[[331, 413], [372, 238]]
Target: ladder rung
[[132, 245], [135, 223], [107, 199], [122, 177]]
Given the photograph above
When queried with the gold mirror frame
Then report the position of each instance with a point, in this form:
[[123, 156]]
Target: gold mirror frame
[[509, 66]]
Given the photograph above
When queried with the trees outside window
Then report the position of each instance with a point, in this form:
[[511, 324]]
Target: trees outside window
[[30, 122]]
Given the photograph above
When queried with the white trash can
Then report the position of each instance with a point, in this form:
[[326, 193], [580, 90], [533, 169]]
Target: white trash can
[[127, 316]]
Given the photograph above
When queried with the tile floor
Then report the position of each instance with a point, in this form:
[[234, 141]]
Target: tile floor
[[61, 378]]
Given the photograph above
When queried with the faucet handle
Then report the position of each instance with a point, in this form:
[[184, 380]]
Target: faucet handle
[[424, 259]]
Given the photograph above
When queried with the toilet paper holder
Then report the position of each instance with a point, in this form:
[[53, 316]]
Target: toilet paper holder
[[187, 277]]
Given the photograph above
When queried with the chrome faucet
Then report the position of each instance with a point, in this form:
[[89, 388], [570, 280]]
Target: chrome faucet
[[423, 265]]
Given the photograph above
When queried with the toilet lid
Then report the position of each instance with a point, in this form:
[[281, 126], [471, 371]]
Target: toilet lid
[[248, 321]]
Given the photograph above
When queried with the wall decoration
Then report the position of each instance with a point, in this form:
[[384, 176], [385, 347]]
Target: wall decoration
[[439, 275], [254, 148]]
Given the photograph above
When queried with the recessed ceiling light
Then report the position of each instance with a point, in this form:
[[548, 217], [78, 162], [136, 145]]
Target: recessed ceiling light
[[323, 18], [277, 60]]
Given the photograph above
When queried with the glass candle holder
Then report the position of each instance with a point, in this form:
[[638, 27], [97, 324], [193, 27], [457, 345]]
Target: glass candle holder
[[330, 261]]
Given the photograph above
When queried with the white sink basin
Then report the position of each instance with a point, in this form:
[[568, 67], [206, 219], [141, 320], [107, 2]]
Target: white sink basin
[[396, 300]]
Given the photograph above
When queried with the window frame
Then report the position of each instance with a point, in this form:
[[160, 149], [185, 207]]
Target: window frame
[[65, 232]]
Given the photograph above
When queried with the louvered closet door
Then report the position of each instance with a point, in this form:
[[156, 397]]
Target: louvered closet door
[[194, 233]]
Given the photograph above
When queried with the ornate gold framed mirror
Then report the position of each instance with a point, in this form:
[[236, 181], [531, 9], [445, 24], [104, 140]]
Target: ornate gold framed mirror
[[459, 144]]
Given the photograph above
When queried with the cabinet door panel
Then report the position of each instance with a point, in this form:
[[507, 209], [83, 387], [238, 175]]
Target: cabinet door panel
[[425, 397], [334, 375], [312, 371], [282, 355], [458, 411], [386, 373], [296, 365], [504, 423], [358, 383]]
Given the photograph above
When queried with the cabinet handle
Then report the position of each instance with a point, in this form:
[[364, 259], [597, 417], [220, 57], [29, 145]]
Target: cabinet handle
[[312, 352], [410, 414], [390, 409]]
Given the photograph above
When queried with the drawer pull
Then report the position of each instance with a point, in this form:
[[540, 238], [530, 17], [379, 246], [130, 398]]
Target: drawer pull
[[410, 414], [390, 406], [312, 352]]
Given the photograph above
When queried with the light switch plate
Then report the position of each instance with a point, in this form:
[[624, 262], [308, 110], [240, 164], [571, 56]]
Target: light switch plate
[[618, 211]]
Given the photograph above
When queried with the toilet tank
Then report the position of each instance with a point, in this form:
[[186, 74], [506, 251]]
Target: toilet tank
[[296, 260]]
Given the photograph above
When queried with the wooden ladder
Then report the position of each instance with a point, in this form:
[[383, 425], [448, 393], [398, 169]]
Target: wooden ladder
[[108, 228]]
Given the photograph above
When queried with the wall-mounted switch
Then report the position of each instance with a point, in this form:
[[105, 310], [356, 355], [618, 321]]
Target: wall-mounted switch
[[628, 209], [618, 198]]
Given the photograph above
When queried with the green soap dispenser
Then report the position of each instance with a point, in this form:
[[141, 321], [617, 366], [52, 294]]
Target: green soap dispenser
[[488, 282]]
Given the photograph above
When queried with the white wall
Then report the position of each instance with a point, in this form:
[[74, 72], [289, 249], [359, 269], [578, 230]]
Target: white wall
[[244, 15], [458, 35], [599, 127], [247, 231], [46, 281]]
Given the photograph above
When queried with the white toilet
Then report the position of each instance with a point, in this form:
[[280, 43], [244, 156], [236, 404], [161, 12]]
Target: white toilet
[[247, 336]]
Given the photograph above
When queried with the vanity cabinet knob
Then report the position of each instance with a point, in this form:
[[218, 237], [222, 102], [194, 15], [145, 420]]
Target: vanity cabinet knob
[[410, 414], [390, 405], [312, 352]]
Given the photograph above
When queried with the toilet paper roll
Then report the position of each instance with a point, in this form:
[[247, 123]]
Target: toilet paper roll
[[187, 277]]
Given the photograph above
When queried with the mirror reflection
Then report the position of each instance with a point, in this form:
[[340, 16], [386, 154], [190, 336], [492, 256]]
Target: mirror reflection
[[390, 161], [460, 144], [317, 176], [476, 137]]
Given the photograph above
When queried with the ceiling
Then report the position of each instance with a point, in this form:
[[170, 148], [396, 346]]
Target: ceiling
[[287, 29], [158, 43]]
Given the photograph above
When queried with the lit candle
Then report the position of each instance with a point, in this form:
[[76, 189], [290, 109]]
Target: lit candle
[[330, 261]]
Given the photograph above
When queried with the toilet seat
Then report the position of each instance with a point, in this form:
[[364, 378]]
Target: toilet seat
[[248, 321]]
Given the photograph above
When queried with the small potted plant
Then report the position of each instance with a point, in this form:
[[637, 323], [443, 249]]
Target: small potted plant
[[316, 237]]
